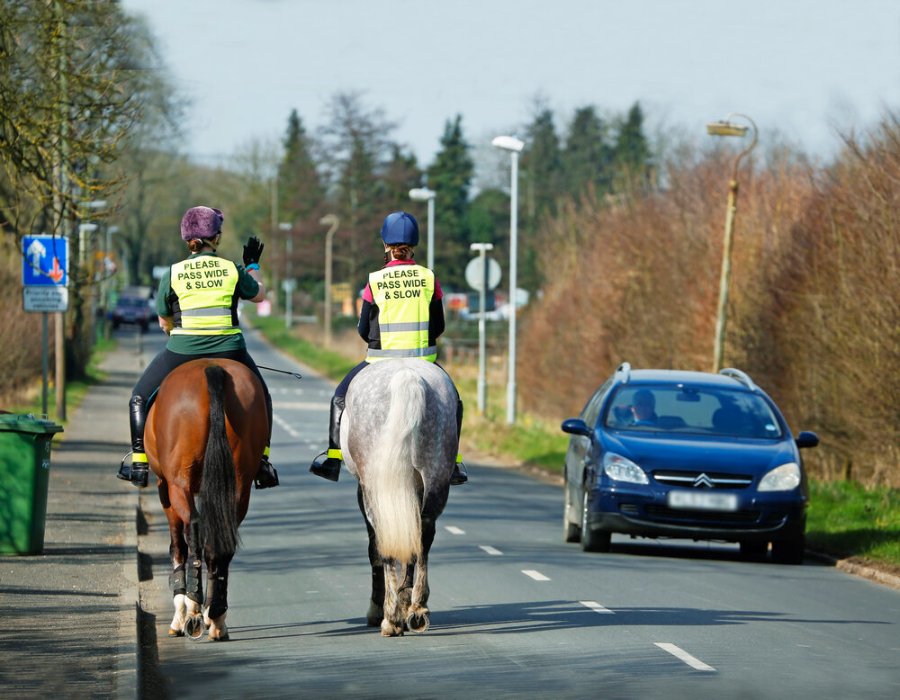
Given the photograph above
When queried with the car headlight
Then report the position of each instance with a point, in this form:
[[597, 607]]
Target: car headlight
[[783, 478], [618, 468]]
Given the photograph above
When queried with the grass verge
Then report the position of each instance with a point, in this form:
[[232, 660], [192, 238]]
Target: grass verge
[[846, 520]]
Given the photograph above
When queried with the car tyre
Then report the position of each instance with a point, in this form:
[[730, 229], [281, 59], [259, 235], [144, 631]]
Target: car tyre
[[754, 550], [789, 550], [592, 540], [571, 531]]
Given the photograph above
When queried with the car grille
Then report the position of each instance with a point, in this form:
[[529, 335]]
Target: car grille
[[750, 518], [698, 479]]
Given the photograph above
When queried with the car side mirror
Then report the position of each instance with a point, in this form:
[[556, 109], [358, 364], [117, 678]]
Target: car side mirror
[[807, 439], [576, 426]]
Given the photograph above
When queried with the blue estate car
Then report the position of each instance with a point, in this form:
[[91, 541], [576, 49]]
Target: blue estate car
[[692, 455]]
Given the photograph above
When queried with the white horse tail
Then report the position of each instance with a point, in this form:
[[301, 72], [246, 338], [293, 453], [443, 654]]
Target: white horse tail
[[391, 476]]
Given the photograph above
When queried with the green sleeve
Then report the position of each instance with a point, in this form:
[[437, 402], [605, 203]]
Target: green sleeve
[[247, 287], [165, 285]]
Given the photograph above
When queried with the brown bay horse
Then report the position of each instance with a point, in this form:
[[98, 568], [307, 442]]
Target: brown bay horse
[[205, 436], [399, 438]]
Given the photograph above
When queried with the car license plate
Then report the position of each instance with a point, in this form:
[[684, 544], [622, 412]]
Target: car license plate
[[702, 500]]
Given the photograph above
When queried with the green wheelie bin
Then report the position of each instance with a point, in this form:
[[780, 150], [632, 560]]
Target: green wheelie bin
[[24, 477]]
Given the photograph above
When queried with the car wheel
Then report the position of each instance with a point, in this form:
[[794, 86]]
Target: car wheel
[[789, 550], [754, 550], [571, 532], [592, 540]]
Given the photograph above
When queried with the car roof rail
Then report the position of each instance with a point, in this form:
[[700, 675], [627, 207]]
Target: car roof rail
[[742, 377], [625, 370]]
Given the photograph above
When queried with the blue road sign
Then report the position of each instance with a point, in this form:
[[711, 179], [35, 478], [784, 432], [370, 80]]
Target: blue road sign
[[45, 261]]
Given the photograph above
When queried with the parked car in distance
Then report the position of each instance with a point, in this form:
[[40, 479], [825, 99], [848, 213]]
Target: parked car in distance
[[690, 455], [133, 310]]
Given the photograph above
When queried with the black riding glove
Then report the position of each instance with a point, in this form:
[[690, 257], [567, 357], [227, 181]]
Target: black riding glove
[[252, 251]]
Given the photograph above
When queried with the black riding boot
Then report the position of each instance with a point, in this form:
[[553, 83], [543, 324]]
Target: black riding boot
[[330, 467], [459, 475], [139, 470], [267, 476]]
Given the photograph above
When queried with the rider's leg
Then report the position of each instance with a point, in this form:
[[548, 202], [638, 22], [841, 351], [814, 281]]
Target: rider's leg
[[330, 467], [459, 475], [266, 477], [138, 407]]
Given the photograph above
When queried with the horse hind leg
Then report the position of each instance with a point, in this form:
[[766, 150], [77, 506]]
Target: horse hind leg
[[418, 614], [217, 590], [193, 625], [394, 610]]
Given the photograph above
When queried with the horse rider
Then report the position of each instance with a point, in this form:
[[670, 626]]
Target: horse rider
[[197, 306], [402, 315]]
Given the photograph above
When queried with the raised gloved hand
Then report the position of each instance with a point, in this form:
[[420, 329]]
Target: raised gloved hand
[[252, 251]]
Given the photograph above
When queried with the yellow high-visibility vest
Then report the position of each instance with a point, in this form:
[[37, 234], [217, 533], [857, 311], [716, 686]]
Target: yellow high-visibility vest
[[402, 294], [205, 287]]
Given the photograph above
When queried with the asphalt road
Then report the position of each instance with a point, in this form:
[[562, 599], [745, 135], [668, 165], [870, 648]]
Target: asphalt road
[[515, 611]]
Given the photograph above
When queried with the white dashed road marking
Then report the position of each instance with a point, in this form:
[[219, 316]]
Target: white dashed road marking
[[596, 607], [680, 653], [536, 575], [285, 426], [490, 550], [453, 530]]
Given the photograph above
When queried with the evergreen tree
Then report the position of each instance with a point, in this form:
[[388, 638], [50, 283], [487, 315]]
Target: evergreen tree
[[632, 152], [300, 203], [541, 180], [450, 176], [588, 155]]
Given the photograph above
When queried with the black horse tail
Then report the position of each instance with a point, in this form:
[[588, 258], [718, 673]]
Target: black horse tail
[[218, 502]]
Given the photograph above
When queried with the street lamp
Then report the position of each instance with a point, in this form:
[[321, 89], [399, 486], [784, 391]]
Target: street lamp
[[514, 146], [422, 194], [288, 272], [332, 221], [727, 128]]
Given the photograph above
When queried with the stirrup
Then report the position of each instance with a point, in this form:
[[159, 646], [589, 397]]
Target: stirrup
[[267, 476], [329, 468], [137, 474], [459, 475]]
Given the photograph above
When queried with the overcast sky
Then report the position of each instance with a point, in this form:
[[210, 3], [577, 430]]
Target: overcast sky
[[803, 68]]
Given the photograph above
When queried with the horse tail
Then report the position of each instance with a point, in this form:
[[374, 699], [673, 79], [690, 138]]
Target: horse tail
[[391, 475], [218, 515]]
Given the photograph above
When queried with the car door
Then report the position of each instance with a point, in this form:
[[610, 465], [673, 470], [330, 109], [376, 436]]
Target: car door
[[582, 452]]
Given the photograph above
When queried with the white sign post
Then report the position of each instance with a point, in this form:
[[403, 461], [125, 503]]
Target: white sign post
[[481, 275]]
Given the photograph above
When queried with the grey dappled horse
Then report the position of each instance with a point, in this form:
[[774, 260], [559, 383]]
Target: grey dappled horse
[[399, 438]]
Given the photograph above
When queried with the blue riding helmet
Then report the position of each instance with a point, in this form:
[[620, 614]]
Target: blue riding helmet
[[400, 228]]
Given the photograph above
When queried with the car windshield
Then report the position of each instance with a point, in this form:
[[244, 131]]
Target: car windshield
[[131, 302], [681, 408]]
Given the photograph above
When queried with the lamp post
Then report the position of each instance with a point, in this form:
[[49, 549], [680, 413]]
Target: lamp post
[[333, 222], [727, 128], [422, 194], [288, 272], [514, 146]]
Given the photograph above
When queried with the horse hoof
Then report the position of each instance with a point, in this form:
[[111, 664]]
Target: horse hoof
[[417, 622], [374, 615], [194, 627], [176, 633], [390, 630], [223, 638]]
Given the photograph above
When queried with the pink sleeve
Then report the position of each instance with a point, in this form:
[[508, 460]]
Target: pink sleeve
[[367, 294], [438, 292]]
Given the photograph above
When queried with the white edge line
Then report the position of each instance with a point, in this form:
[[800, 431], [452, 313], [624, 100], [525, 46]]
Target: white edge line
[[680, 653]]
